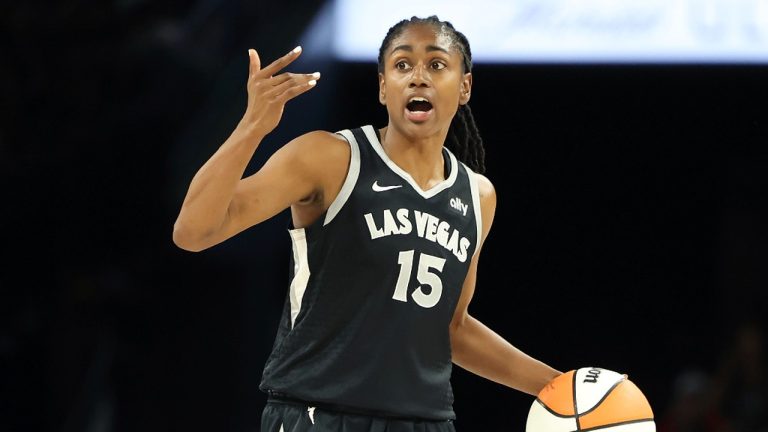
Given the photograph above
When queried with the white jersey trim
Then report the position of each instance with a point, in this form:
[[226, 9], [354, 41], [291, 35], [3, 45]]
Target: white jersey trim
[[475, 189], [349, 183], [445, 184], [300, 271]]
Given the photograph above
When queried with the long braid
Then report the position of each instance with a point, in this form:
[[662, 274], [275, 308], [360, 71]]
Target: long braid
[[463, 135], [466, 141]]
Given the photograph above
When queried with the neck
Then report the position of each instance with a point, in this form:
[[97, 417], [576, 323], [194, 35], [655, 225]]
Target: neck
[[421, 157]]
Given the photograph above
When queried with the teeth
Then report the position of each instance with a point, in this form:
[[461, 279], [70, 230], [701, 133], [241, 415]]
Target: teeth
[[417, 99]]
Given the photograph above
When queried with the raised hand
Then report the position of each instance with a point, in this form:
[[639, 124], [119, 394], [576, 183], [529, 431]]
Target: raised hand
[[268, 91]]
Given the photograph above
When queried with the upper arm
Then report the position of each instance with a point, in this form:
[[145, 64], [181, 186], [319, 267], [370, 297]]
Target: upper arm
[[488, 210], [305, 166]]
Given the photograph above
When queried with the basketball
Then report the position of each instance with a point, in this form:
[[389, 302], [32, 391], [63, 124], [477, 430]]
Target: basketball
[[590, 399]]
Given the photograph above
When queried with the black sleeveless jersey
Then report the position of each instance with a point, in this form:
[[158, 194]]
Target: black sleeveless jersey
[[374, 285]]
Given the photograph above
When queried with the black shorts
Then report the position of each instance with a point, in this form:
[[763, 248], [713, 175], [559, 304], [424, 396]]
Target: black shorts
[[291, 416]]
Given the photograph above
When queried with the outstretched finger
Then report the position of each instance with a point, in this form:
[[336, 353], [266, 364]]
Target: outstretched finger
[[282, 62], [287, 79], [292, 80], [296, 90], [280, 79], [254, 63]]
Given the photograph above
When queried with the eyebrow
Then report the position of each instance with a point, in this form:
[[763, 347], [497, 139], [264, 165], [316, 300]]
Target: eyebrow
[[429, 48]]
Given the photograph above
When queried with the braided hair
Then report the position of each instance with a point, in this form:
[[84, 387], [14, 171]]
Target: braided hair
[[463, 136]]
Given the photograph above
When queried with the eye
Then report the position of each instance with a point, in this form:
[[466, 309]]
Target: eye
[[401, 65], [436, 65]]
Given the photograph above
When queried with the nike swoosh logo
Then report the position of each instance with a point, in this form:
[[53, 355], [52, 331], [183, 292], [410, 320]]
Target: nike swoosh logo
[[377, 188]]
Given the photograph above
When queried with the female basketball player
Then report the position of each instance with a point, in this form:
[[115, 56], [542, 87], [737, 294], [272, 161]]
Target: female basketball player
[[387, 228]]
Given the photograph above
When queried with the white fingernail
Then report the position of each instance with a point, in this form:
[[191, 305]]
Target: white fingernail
[[316, 75], [311, 82], [297, 49]]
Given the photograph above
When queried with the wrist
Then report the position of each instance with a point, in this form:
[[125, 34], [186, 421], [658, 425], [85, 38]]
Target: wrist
[[250, 130]]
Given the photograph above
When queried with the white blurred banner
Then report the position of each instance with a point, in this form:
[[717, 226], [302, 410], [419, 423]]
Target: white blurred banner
[[569, 31]]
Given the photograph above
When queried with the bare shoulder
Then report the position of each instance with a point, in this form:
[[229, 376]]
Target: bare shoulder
[[323, 159], [320, 141], [319, 151], [487, 194], [486, 189]]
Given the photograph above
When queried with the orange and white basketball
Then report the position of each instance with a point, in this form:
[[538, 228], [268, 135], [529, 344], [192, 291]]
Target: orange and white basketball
[[590, 399]]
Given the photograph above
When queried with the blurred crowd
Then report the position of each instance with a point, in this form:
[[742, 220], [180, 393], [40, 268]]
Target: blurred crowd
[[100, 320], [731, 398]]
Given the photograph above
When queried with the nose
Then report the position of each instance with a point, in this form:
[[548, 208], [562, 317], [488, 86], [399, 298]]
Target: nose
[[419, 77]]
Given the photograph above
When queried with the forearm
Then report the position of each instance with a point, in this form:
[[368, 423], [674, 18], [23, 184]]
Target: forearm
[[483, 352], [211, 190]]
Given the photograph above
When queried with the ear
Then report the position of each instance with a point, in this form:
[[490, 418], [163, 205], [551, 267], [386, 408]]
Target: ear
[[466, 88], [382, 90]]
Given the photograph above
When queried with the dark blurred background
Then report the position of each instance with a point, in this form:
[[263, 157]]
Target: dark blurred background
[[630, 232]]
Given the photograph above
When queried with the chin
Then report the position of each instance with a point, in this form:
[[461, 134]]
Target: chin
[[421, 129]]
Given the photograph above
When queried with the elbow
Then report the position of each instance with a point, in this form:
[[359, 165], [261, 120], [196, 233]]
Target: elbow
[[457, 324], [185, 239], [458, 339]]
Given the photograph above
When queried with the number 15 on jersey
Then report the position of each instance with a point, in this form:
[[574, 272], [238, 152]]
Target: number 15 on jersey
[[428, 274]]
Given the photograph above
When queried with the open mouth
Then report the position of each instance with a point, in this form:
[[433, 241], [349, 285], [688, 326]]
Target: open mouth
[[419, 104], [418, 109]]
